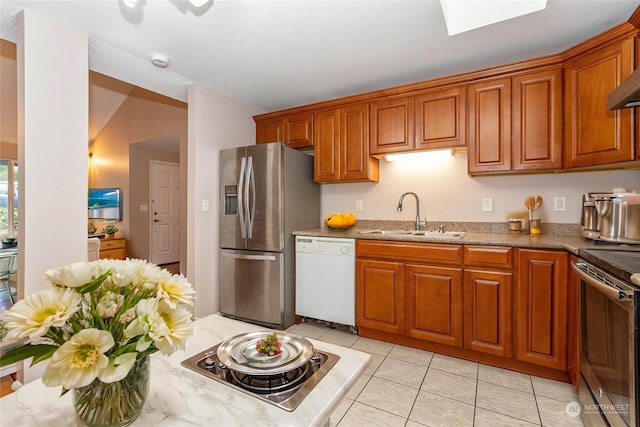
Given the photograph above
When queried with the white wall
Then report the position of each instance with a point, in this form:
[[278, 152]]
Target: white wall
[[447, 193], [215, 122], [53, 86]]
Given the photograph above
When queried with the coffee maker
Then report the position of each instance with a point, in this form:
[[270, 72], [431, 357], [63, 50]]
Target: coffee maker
[[589, 224]]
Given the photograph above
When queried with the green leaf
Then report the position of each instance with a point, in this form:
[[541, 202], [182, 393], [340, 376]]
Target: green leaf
[[38, 352], [92, 286]]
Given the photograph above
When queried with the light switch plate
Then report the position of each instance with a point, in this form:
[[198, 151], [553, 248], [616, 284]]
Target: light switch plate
[[487, 204], [205, 205], [358, 205]]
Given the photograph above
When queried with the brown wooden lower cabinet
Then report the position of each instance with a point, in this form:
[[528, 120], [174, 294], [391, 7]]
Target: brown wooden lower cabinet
[[433, 304], [475, 307], [541, 308], [380, 295], [487, 312]]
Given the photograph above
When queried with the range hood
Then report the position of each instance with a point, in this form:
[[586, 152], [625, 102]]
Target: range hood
[[627, 95]]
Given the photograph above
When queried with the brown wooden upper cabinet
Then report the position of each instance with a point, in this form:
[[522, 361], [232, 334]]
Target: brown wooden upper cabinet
[[489, 131], [341, 145], [440, 118], [433, 119], [298, 130], [269, 130], [594, 135], [391, 123], [295, 131], [515, 123]]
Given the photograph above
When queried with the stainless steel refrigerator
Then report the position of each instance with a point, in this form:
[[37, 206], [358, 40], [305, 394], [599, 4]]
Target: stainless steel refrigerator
[[267, 191]]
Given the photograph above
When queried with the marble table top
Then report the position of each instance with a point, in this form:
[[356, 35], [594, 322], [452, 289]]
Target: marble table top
[[181, 397]]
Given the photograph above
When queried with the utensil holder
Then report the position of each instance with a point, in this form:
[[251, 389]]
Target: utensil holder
[[535, 226]]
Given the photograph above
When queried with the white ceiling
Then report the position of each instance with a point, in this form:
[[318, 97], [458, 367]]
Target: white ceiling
[[279, 54]]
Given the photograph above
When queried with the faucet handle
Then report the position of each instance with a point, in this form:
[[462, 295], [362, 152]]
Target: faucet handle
[[441, 229]]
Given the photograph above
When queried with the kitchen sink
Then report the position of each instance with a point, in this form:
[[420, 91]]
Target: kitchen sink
[[445, 234], [388, 232]]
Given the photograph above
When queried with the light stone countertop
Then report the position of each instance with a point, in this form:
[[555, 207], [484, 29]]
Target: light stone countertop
[[181, 397], [555, 236]]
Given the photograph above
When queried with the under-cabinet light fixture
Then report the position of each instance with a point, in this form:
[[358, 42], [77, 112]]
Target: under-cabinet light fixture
[[421, 155]]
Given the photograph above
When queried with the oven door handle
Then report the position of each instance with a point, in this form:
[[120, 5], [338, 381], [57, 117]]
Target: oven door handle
[[609, 291]]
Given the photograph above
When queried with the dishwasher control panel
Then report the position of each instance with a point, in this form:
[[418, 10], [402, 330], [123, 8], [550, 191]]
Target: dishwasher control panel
[[326, 246]]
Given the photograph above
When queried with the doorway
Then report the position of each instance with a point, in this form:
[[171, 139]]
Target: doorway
[[164, 224]]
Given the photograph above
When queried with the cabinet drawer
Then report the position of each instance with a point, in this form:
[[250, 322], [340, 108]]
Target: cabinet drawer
[[111, 244], [404, 251], [112, 254], [488, 256]]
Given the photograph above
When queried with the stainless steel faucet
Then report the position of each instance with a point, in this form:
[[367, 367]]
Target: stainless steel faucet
[[399, 209]]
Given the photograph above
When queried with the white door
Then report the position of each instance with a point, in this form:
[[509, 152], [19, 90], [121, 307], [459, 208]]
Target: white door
[[165, 212]]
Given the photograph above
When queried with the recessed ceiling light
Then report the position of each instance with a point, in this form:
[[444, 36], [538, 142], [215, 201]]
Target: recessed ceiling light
[[131, 3], [466, 15]]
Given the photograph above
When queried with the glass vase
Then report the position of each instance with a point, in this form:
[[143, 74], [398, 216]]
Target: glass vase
[[116, 404]]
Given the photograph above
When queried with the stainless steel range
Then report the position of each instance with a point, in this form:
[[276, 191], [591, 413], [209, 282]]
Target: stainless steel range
[[609, 303], [283, 380]]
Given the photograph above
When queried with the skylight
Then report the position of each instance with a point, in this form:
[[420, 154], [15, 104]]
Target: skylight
[[467, 15]]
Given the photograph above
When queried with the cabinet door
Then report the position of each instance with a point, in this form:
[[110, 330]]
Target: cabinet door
[[326, 149], [434, 304], [440, 118], [489, 130], [380, 295], [355, 162], [541, 308], [391, 124], [487, 312], [537, 121], [298, 130], [594, 135], [270, 130]]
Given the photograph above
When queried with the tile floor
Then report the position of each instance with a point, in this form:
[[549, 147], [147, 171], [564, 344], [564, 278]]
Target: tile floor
[[406, 387]]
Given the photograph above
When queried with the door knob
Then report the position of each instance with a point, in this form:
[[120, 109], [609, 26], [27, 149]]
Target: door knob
[[156, 220]]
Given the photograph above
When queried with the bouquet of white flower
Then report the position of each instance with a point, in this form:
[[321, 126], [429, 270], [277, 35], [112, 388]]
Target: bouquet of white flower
[[98, 319]]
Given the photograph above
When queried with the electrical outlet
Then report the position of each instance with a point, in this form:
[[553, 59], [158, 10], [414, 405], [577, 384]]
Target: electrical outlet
[[205, 205], [487, 204], [358, 205], [559, 204]]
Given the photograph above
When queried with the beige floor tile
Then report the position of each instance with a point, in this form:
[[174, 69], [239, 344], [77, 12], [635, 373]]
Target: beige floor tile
[[507, 401], [388, 396], [374, 364], [340, 411], [412, 355], [358, 386], [437, 411], [337, 337], [308, 330], [360, 415], [485, 418], [554, 413], [505, 378], [372, 346], [454, 366], [462, 389], [413, 424], [564, 392], [401, 372]]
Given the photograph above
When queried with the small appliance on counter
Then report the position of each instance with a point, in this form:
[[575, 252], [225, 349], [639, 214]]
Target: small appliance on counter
[[612, 217]]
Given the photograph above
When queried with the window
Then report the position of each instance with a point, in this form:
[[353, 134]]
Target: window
[[8, 198]]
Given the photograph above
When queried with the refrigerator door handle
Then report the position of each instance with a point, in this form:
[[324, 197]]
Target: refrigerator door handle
[[251, 204], [241, 183], [250, 257]]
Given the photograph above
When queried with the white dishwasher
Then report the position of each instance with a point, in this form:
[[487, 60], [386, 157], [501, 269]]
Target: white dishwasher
[[326, 279]]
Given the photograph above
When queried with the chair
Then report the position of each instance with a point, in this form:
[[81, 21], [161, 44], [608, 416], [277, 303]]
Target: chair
[[6, 268], [93, 248]]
